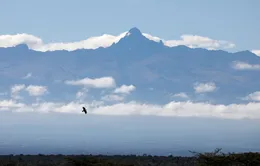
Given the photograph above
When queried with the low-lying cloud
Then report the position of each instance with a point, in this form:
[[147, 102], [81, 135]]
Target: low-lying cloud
[[125, 89], [120, 107], [20, 38], [181, 95], [28, 75], [10, 104], [36, 90], [205, 87], [257, 52], [33, 90], [255, 96], [171, 109], [103, 82], [238, 65], [17, 88], [112, 97], [195, 41], [106, 40]]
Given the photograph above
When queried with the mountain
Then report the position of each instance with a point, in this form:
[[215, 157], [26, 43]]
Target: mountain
[[135, 41], [157, 71]]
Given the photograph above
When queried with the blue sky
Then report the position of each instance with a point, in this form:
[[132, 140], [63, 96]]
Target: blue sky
[[66, 21]]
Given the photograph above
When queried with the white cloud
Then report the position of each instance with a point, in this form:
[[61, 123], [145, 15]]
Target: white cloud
[[107, 40], [205, 87], [60, 107], [125, 89], [113, 97], [79, 94], [36, 90], [15, 90], [245, 66], [181, 95], [10, 104], [195, 41], [28, 75], [37, 44], [33, 90], [103, 82], [172, 109], [82, 94], [257, 52], [255, 96], [13, 40]]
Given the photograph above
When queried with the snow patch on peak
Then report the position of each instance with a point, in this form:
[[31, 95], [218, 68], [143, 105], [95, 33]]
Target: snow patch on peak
[[150, 37]]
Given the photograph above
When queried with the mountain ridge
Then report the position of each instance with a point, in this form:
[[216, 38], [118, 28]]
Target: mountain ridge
[[125, 38]]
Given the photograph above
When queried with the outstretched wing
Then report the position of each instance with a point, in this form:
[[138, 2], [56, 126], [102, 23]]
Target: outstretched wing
[[84, 110]]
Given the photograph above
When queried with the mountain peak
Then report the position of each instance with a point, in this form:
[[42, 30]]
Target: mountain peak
[[134, 31], [134, 40], [133, 35]]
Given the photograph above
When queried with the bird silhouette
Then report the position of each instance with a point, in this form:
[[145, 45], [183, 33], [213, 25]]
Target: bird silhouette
[[84, 110]]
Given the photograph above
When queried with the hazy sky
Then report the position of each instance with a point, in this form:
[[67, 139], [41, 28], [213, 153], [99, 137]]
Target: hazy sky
[[60, 20], [71, 133]]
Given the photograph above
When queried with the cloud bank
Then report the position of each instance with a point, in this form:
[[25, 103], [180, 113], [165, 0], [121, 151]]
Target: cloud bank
[[106, 40], [10, 104], [171, 109], [121, 107], [257, 52], [195, 41]]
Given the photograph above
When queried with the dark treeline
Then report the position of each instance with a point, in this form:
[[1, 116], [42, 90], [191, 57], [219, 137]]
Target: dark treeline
[[216, 158]]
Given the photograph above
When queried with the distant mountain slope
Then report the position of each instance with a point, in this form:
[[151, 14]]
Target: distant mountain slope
[[157, 71]]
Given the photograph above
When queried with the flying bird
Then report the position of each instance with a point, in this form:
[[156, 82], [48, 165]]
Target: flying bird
[[84, 110]]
